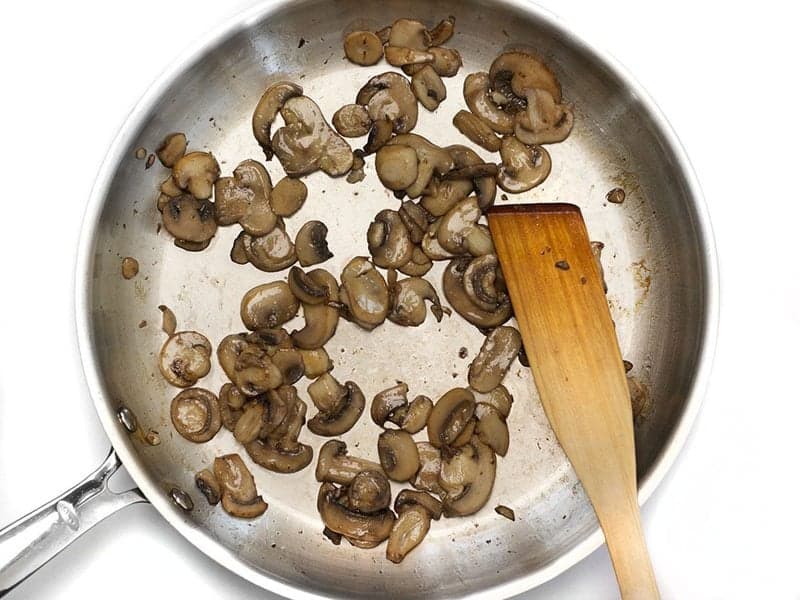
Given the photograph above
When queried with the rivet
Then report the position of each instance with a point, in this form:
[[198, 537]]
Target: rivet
[[127, 418]]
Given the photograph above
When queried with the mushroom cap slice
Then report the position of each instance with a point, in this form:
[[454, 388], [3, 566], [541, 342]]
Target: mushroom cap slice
[[190, 219], [352, 120], [184, 358], [247, 365], [271, 252], [428, 87], [363, 48], [430, 460], [267, 109], [316, 362], [171, 149], [321, 322], [389, 405], [418, 265], [477, 94], [446, 61], [396, 166], [369, 492], [231, 403], [367, 530], [523, 168], [544, 122], [498, 351], [288, 196], [270, 456], [208, 485], [408, 302], [315, 287], [465, 304], [476, 130], [311, 244], [524, 72], [492, 429], [239, 495], [334, 465], [416, 417], [409, 33], [450, 415], [248, 426], [290, 363], [195, 414], [457, 223], [196, 173], [343, 417], [443, 31], [307, 143], [398, 56], [245, 199], [476, 489], [364, 293], [408, 498], [431, 158], [408, 531], [268, 306], [388, 96], [499, 398], [398, 455], [388, 239]]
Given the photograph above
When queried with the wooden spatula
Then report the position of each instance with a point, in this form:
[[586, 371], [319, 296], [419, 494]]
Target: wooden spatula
[[566, 328]]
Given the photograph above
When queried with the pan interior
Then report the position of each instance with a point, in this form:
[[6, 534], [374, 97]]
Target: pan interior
[[654, 262]]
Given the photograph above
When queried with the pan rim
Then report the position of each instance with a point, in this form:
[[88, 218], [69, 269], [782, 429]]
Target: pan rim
[[122, 444]]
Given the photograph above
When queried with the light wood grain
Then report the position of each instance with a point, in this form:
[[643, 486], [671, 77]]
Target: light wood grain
[[566, 327]]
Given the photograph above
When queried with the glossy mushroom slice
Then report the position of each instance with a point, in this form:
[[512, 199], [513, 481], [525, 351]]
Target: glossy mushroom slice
[[428, 88], [248, 426], [498, 351], [476, 130], [457, 224], [417, 415], [478, 96], [239, 495], [267, 109], [352, 120], [316, 289], [195, 414], [430, 245], [470, 473], [430, 463], [398, 455], [288, 196], [388, 239], [415, 218], [248, 365], [469, 165], [516, 72], [342, 416], [545, 121], [335, 466], [418, 265], [396, 166], [388, 97], [245, 199], [450, 416], [408, 297], [363, 48], [409, 33], [481, 297], [491, 428], [280, 451], [231, 405], [184, 358], [369, 492], [414, 513], [431, 159], [361, 530], [208, 485], [311, 244], [523, 168], [268, 306], [307, 143], [171, 149], [399, 57], [443, 31], [271, 252], [316, 362], [446, 61], [499, 398], [364, 293], [189, 219], [390, 405], [196, 173]]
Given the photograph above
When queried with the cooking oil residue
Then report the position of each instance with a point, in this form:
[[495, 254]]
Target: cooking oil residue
[[643, 277]]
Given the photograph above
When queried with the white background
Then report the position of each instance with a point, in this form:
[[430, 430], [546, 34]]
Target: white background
[[725, 522]]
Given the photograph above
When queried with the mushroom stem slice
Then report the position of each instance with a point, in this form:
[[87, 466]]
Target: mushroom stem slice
[[342, 418], [316, 362], [363, 48], [334, 465], [407, 533], [398, 56], [498, 351], [428, 88], [184, 358], [360, 529], [398, 455], [195, 414], [450, 415], [476, 130], [267, 109], [268, 306]]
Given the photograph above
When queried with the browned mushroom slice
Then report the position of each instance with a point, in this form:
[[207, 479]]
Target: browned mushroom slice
[[380, 133], [476, 130], [443, 31], [171, 149], [430, 243], [469, 164], [208, 485], [334, 465], [398, 56], [523, 168], [398, 455], [457, 223], [364, 293], [498, 351], [245, 199], [267, 109], [307, 143], [363, 48], [288, 196], [428, 88], [195, 414], [268, 305], [388, 239], [409, 33], [408, 498], [280, 451], [316, 362], [369, 492], [544, 122], [345, 415], [499, 398], [187, 218], [356, 173], [430, 461], [442, 195], [248, 426], [396, 166], [191, 246], [416, 220], [231, 403], [311, 244], [486, 290], [418, 265], [516, 72], [327, 393], [431, 160], [361, 530], [491, 428], [478, 241], [269, 456], [184, 358], [238, 254], [290, 363], [450, 415], [271, 252], [383, 34], [196, 173], [477, 94], [473, 478], [408, 531], [390, 405], [315, 287], [446, 61], [408, 298], [168, 321], [352, 120], [388, 96], [239, 495], [168, 189], [247, 365], [416, 417]]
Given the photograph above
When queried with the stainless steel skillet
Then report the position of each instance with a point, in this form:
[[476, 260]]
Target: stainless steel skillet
[[660, 265]]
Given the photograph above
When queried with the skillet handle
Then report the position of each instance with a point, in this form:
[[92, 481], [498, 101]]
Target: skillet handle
[[29, 542]]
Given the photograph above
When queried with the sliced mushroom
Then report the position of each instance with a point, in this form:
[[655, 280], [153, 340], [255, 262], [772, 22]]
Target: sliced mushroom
[[208, 485], [430, 461], [476, 480], [416, 417], [398, 455], [523, 168], [307, 143], [443, 31], [408, 33], [168, 321], [239, 495], [516, 72], [545, 122], [418, 265], [483, 291], [288, 196], [364, 293], [290, 363], [245, 199], [168, 189], [383, 34], [430, 244], [335, 466], [281, 452], [388, 96], [457, 224], [428, 88], [361, 530], [450, 415], [316, 362], [469, 164], [466, 434], [415, 218], [478, 241], [446, 61], [363, 48], [248, 365], [431, 159], [356, 173], [187, 218], [407, 532], [396, 166], [238, 253], [398, 56], [352, 120], [442, 195], [408, 298], [408, 498], [342, 416], [476, 130], [267, 109], [321, 319], [499, 398], [191, 246], [380, 133], [171, 149], [248, 426], [491, 428], [195, 414], [268, 305], [498, 351], [231, 404], [196, 173], [390, 405], [184, 358], [388, 239], [369, 492], [311, 244], [315, 287], [271, 252], [477, 94]]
